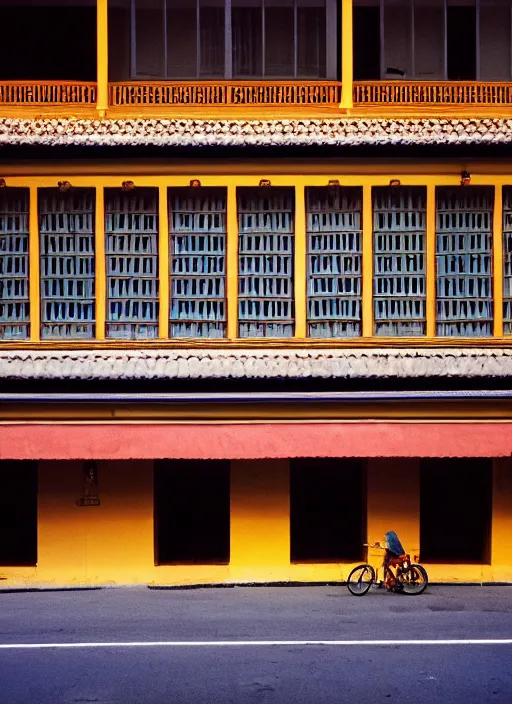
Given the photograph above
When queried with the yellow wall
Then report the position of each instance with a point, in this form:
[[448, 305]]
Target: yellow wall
[[501, 539], [393, 487], [113, 543], [260, 508]]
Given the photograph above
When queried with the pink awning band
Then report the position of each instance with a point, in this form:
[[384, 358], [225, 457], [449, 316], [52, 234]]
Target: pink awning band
[[254, 441]]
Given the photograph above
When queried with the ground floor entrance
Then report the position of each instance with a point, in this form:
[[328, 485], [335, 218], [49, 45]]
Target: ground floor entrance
[[73, 522]]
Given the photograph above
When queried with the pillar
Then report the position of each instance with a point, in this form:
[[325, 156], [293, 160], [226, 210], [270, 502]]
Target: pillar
[[498, 260], [260, 520], [232, 264], [367, 234], [34, 271], [300, 264], [347, 55], [501, 547], [102, 56], [163, 263], [100, 264], [394, 501]]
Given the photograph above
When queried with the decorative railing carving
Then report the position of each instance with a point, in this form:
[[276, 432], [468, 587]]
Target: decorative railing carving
[[225, 93], [256, 93], [431, 93], [47, 93]]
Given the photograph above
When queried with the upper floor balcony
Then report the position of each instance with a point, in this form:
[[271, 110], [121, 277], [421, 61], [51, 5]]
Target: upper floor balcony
[[197, 57]]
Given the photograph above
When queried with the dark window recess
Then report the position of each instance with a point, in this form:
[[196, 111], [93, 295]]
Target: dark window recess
[[18, 514], [327, 512], [455, 510], [48, 43], [461, 43], [366, 43], [191, 512]]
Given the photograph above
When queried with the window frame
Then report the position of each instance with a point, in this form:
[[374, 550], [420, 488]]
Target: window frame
[[409, 5], [331, 46]]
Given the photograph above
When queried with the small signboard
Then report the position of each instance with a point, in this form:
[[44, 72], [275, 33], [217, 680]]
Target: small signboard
[[90, 491]]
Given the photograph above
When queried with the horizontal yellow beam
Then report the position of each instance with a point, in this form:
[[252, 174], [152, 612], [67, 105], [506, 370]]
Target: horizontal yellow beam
[[188, 169], [249, 180], [218, 412], [266, 343]]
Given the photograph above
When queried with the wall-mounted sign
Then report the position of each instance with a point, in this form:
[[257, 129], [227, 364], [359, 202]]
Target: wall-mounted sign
[[90, 491]]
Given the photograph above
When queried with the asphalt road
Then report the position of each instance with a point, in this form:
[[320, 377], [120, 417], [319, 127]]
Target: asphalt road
[[223, 664]]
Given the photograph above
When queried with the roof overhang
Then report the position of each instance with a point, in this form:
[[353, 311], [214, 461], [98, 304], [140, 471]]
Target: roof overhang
[[230, 363]]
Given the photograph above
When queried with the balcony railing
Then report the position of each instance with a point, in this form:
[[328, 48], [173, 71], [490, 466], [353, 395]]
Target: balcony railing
[[225, 93], [432, 93], [257, 93], [47, 93]]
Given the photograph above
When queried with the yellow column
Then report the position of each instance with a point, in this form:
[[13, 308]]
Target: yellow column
[[102, 56], [430, 263], [389, 509], [163, 262], [497, 240], [100, 264], [34, 275], [501, 548], [260, 520], [300, 264], [367, 262], [232, 264], [347, 55]]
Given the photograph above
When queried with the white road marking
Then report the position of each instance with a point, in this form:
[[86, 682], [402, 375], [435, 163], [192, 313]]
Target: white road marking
[[245, 643]]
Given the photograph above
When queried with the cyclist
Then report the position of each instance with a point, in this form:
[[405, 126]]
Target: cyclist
[[394, 551]]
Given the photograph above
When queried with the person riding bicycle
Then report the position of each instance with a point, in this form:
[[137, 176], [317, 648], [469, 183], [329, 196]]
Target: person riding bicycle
[[394, 553], [399, 573], [394, 547]]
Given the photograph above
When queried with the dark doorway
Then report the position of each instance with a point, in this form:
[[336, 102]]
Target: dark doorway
[[48, 43], [461, 43], [328, 509], [455, 510], [366, 43], [191, 512], [18, 514]]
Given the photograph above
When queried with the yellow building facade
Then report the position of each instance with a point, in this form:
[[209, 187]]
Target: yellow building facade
[[256, 291]]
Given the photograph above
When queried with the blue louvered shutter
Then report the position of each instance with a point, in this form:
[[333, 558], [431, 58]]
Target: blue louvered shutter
[[399, 280], [197, 224], [334, 259], [131, 233], [464, 304], [265, 249], [14, 264], [66, 232]]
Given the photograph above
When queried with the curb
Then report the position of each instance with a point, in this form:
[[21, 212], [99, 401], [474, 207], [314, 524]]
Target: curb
[[221, 585]]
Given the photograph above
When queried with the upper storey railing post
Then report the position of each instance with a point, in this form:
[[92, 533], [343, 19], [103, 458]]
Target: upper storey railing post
[[347, 55], [102, 56], [497, 237]]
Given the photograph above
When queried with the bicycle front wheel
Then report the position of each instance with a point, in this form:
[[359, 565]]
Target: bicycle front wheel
[[414, 580], [360, 580]]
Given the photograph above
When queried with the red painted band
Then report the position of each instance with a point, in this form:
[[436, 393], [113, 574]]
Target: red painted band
[[255, 441]]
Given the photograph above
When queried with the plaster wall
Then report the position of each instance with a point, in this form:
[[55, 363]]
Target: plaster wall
[[112, 544]]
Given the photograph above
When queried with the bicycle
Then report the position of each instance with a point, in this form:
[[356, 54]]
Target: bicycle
[[407, 577]]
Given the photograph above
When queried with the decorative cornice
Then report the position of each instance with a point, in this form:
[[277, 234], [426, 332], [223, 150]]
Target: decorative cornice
[[260, 133], [256, 364]]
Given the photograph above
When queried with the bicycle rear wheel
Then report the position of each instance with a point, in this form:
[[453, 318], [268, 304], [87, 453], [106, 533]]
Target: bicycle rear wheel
[[360, 580], [414, 580]]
